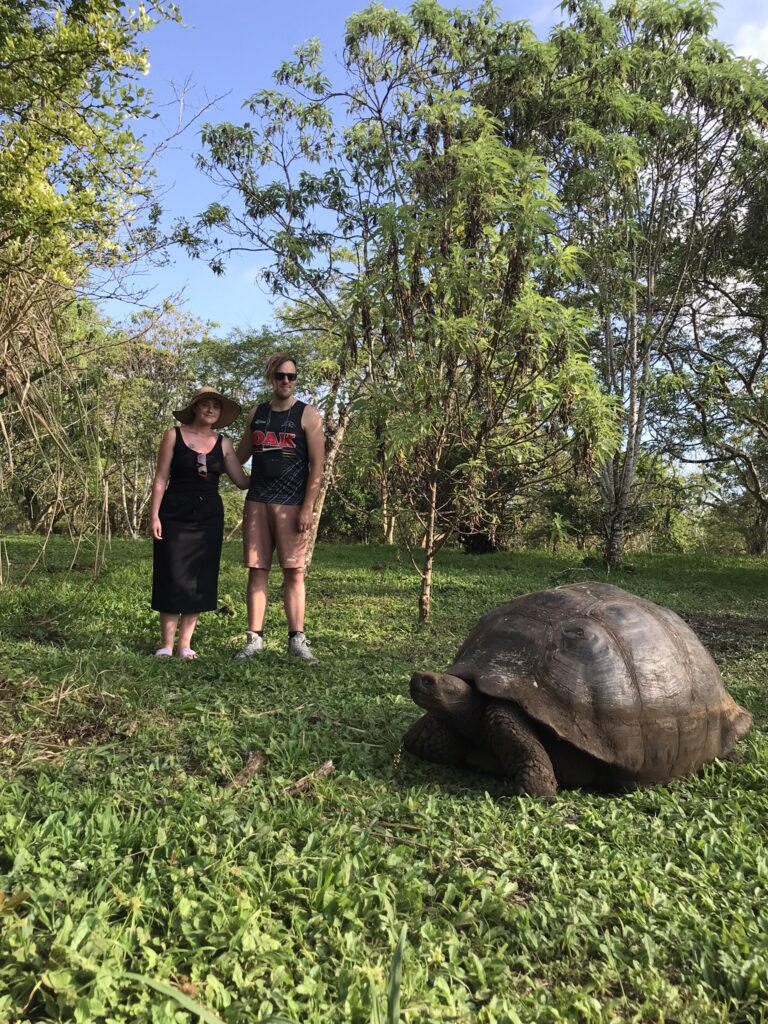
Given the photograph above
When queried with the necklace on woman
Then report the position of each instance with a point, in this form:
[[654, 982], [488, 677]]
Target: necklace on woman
[[197, 433]]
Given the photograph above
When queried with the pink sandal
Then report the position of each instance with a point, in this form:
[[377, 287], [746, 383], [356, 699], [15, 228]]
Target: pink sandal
[[187, 653], [163, 652]]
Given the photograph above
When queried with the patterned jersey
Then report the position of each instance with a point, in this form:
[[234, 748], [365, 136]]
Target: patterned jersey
[[282, 431]]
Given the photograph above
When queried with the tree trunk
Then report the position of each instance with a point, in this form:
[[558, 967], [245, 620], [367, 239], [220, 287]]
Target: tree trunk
[[387, 517], [757, 535], [389, 531], [331, 454], [633, 380], [425, 597], [614, 541], [127, 517]]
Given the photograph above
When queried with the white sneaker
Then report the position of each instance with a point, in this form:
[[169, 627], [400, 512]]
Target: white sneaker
[[298, 646], [253, 645]]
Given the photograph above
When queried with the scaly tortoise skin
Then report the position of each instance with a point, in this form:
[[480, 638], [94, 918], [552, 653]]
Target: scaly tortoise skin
[[581, 685]]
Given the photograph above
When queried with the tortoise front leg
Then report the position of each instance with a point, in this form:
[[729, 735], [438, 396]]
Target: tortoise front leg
[[431, 739], [524, 758]]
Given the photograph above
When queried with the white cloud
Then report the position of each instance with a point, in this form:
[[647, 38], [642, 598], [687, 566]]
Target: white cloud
[[752, 40]]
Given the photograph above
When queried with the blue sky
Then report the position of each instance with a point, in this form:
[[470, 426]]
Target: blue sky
[[226, 52]]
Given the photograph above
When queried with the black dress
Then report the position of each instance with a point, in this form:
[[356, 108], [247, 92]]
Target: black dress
[[185, 568]]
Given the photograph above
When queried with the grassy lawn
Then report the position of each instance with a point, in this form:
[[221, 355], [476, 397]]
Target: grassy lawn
[[143, 878]]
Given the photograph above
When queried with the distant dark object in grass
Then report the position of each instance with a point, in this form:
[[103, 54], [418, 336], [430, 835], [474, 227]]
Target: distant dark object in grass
[[580, 686], [478, 543], [593, 562]]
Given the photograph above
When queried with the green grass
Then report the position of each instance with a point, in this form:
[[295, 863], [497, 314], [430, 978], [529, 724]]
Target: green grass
[[139, 886]]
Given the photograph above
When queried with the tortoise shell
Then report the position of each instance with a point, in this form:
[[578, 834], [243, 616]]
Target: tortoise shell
[[619, 677]]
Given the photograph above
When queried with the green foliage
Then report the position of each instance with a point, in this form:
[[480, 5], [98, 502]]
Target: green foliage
[[654, 135], [713, 392], [127, 853], [71, 168], [82, 451], [423, 249]]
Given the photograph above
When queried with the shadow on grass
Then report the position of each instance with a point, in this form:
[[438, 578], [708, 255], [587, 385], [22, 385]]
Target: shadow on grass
[[729, 636]]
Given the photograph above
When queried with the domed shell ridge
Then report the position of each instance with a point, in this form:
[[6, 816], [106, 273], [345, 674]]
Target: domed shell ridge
[[614, 674]]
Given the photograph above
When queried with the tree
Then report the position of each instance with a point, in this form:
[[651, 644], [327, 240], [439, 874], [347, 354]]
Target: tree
[[645, 122], [713, 393], [75, 199], [71, 168], [406, 235], [715, 397]]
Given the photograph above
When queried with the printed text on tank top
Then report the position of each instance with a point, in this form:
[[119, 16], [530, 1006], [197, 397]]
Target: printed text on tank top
[[280, 438]]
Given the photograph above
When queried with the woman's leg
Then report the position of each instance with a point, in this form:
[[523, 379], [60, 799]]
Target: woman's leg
[[186, 629], [168, 628]]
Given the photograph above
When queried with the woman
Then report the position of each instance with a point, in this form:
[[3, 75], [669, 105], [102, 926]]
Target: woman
[[187, 519]]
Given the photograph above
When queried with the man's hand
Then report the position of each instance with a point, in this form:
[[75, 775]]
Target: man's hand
[[304, 519]]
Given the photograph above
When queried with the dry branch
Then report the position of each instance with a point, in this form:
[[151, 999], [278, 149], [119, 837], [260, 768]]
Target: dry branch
[[253, 765], [301, 785]]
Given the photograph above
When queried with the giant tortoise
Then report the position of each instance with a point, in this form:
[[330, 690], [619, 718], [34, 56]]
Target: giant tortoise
[[581, 685]]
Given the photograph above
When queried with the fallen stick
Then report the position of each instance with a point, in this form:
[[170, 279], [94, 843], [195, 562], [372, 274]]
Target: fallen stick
[[391, 838], [255, 762], [325, 769]]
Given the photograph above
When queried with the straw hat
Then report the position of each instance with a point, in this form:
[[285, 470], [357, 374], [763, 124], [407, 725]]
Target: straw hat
[[229, 410]]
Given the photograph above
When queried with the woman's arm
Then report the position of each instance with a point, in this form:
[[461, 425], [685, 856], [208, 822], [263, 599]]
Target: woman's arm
[[232, 465], [245, 447], [160, 482]]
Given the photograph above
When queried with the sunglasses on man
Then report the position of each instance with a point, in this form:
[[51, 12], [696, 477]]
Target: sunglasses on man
[[285, 376]]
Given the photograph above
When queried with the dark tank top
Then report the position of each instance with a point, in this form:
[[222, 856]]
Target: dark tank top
[[279, 431], [185, 476]]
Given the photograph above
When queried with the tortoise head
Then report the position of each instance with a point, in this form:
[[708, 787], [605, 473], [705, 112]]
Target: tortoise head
[[441, 693]]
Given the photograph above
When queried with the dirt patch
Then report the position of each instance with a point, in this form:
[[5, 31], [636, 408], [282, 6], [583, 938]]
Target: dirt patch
[[729, 636]]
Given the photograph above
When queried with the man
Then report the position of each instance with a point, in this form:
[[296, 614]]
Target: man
[[284, 440]]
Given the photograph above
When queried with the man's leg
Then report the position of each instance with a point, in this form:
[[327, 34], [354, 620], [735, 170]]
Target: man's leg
[[256, 601], [256, 598], [291, 549], [294, 599], [257, 552]]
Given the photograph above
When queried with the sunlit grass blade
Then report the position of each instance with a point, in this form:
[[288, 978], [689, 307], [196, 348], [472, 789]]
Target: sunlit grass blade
[[396, 980], [183, 1000]]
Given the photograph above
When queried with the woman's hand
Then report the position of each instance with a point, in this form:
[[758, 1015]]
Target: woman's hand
[[155, 528]]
